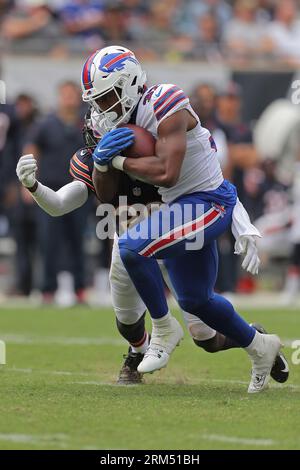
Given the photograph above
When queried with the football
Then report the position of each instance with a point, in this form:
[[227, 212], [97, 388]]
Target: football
[[144, 144]]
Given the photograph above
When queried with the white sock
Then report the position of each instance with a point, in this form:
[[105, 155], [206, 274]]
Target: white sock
[[256, 347], [143, 347], [163, 322]]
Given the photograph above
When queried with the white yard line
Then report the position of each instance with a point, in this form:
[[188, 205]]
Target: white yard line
[[35, 439], [48, 372], [95, 382], [54, 440], [238, 440], [28, 338], [63, 441]]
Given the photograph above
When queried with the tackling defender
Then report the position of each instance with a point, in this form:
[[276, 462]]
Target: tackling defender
[[185, 167]]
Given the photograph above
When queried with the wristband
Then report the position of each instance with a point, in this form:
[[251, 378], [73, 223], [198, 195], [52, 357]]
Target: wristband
[[118, 162], [101, 168], [33, 188]]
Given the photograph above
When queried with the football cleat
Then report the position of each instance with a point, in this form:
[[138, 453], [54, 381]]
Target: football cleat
[[262, 362], [280, 369], [128, 374], [162, 344]]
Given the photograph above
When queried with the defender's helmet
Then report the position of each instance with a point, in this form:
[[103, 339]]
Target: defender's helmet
[[89, 137], [113, 68]]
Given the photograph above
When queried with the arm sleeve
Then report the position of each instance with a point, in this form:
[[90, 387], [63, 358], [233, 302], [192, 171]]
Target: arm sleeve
[[66, 199]]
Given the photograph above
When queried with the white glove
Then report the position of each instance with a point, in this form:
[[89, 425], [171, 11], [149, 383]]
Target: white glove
[[246, 245], [26, 169]]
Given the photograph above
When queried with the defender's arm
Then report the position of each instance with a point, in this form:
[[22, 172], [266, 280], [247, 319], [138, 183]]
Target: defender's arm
[[106, 184], [55, 203]]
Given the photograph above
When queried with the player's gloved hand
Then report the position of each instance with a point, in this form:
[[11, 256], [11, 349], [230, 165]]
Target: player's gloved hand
[[246, 245], [112, 144], [26, 170]]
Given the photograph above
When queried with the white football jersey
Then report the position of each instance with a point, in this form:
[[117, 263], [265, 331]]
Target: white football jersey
[[200, 169]]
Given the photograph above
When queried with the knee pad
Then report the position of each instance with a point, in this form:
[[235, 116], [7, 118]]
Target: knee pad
[[134, 332], [209, 345]]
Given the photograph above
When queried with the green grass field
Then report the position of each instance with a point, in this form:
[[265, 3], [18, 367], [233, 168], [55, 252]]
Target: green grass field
[[58, 389]]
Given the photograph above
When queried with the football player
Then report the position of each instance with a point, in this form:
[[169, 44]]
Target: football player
[[128, 306], [187, 172]]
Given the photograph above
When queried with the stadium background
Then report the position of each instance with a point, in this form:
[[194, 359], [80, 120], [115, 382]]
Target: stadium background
[[234, 59], [240, 50]]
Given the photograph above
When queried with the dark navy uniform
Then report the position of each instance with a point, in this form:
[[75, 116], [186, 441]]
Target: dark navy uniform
[[137, 192]]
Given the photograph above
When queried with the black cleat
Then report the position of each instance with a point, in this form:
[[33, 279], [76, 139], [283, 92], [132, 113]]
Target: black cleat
[[128, 374], [280, 369]]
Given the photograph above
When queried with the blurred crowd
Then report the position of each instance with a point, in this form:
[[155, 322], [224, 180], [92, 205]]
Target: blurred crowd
[[46, 246], [237, 31]]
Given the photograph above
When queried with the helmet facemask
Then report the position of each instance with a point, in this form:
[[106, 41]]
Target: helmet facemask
[[89, 137], [109, 118]]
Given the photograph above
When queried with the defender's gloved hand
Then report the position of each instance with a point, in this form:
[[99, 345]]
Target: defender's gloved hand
[[26, 170], [112, 144], [246, 245]]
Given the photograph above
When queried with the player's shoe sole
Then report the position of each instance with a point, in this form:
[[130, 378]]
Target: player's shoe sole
[[280, 369]]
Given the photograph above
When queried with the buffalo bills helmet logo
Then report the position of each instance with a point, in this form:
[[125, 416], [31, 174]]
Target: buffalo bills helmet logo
[[115, 62]]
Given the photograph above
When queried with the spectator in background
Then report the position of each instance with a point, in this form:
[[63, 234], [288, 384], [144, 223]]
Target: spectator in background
[[240, 156], [283, 35], [189, 13], [265, 193], [115, 28], [53, 141], [204, 102], [29, 21], [268, 198], [197, 29], [241, 152], [242, 38], [5, 6], [84, 20], [22, 212], [266, 9], [205, 45], [137, 17], [27, 113], [9, 147]]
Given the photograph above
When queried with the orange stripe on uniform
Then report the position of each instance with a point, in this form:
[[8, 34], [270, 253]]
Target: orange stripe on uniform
[[82, 180], [76, 159], [80, 172]]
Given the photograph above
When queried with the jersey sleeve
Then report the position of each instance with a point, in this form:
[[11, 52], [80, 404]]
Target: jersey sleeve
[[81, 167], [167, 99]]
